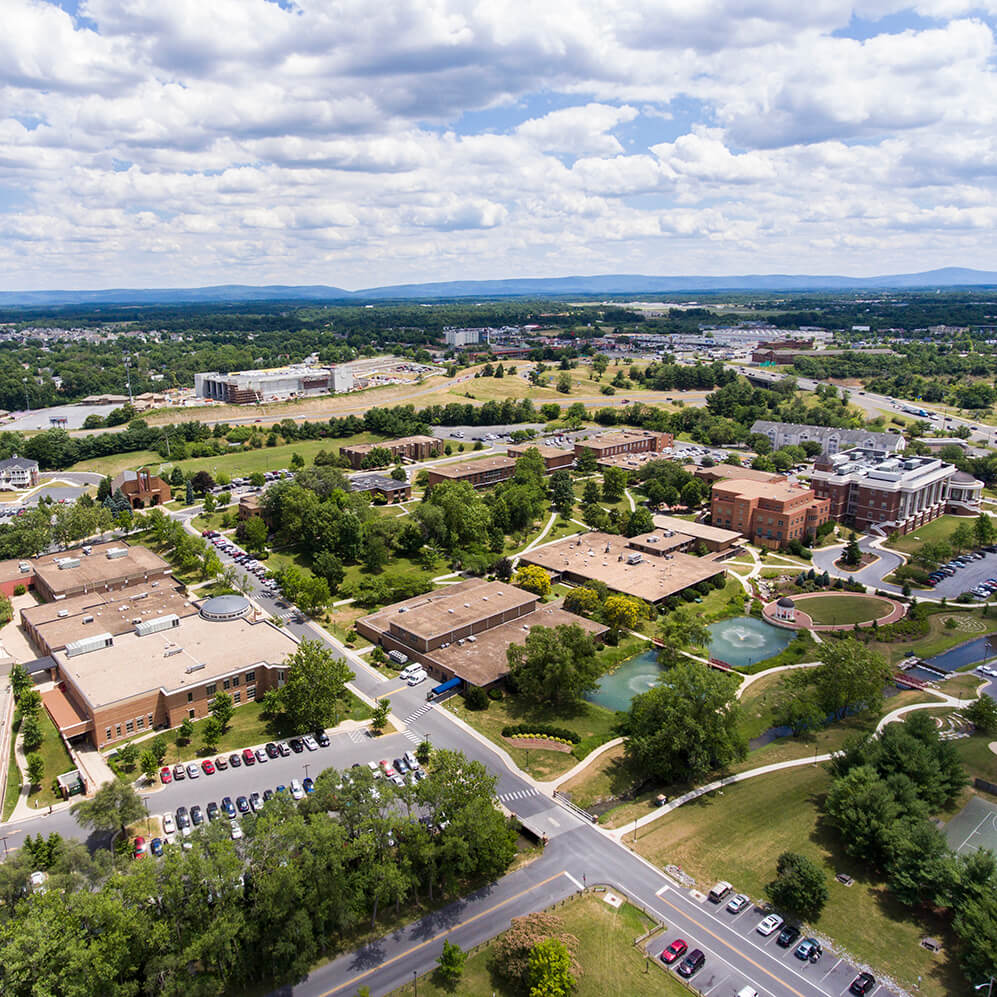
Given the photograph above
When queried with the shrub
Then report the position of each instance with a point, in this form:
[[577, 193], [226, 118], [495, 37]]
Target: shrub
[[475, 698], [20, 589], [495, 693], [551, 731]]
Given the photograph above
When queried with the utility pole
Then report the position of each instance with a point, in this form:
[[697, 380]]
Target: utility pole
[[128, 378], [27, 404]]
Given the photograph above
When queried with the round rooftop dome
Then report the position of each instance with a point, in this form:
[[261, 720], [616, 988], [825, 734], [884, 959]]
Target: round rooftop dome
[[786, 603], [962, 478], [225, 607]]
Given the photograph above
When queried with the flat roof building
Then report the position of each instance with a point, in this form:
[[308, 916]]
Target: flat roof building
[[294, 381], [768, 513], [612, 560], [18, 472], [713, 537], [383, 485], [554, 458], [624, 441], [831, 438], [407, 448], [480, 473], [465, 630], [724, 472], [108, 566], [873, 489]]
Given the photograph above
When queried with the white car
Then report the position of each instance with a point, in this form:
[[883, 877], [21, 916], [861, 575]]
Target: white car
[[310, 743], [297, 792], [769, 924], [169, 824], [375, 769], [193, 770], [236, 831]]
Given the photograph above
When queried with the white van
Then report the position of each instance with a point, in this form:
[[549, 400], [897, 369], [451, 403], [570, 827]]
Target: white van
[[416, 677], [409, 670]]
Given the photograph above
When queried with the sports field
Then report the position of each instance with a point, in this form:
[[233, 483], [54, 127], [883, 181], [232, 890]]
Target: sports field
[[974, 827]]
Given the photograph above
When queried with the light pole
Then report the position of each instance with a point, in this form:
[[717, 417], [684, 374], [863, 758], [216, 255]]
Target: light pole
[[306, 770], [415, 984], [27, 404], [989, 986]]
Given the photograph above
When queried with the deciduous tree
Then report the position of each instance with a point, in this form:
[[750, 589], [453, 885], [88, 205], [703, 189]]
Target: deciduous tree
[[800, 886], [555, 665], [313, 694]]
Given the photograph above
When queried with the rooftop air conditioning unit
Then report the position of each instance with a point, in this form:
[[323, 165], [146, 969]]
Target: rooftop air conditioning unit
[[87, 619], [116, 552], [62, 612], [194, 668], [68, 562], [172, 649]]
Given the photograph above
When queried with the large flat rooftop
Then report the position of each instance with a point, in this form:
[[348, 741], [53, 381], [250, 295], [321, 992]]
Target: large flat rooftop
[[777, 491], [699, 531], [134, 665], [447, 610], [478, 466], [603, 557], [724, 472], [96, 568]]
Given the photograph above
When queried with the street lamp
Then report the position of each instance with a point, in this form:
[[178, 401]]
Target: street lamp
[[415, 985], [306, 770]]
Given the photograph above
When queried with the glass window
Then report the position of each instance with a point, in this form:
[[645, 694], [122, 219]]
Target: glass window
[[117, 730], [237, 697], [129, 726], [235, 680], [251, 692], [190, 697], [225, 684], [191, 714], [250, 676], [150, 719], [211, 689], [140, 723], [107, 734]]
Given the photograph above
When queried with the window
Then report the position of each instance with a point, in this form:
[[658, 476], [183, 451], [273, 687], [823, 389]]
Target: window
[[117, 730], [129, 727], [250, 676], [107, 734], [150, 720], [237, 697], [140, 723], [235, 680], [190, 697], [251, 692], [211, 689], [191, 714], [225, 684]]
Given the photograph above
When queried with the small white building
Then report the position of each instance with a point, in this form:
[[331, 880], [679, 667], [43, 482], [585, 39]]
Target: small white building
[[785, 610], [18, 472]]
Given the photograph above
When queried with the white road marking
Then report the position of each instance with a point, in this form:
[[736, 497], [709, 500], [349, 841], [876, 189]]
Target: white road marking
[[573, 880]]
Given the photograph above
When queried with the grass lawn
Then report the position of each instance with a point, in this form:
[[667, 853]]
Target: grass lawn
[[976, 755], [13, 788], [962, 686], [606, 778], [57, 760], [939, 638], [114, 464], [592, 723], [610, 964], [739, 834], [719, 603], [843, 608], [938, 529]]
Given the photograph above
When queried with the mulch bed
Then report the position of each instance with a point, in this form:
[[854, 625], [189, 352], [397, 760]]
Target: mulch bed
[[532, 743], [867, 559]]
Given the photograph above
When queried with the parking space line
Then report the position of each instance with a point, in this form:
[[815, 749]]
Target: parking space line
[[831, 970]]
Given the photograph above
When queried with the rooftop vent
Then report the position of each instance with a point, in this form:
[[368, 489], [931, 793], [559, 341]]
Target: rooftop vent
[[194, 668], [65, 563], [62, 612], [116, 552]]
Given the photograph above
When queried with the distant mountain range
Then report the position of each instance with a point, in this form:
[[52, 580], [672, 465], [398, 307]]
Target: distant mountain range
[[601, 285]]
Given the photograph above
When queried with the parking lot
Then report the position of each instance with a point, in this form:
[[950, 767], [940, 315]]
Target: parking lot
[[967, 578], [829, 974]]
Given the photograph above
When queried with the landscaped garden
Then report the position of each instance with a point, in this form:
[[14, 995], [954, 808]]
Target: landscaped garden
[[834, 609]]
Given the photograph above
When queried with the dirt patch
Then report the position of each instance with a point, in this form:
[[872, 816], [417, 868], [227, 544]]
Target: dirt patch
[[531, 743]]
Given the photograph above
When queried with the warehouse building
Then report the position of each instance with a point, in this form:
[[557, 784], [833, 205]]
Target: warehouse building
[[246, 387]]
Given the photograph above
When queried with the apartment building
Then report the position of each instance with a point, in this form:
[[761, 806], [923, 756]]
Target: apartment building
[[832, 440], [625, 441], [406, 448], [480, 473]]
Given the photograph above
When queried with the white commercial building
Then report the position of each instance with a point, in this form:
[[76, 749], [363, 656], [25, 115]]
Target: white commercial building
[[295, 381]]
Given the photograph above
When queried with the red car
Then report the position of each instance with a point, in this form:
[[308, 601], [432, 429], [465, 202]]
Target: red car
[[248, 757], [208, 766], [166, 775], [674, 951], [139, 852]]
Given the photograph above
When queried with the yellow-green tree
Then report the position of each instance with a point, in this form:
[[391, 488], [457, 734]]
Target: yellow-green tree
[[533, 578], [622, 612]]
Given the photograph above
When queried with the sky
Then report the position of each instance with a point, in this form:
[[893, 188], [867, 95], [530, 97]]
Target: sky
[[358, 143]]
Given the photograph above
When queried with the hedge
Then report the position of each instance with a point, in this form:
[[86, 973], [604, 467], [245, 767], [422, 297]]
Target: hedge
[[541, 730]]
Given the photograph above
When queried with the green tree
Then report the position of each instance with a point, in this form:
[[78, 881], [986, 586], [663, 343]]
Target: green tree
[[564, 383], [36, 768], [375, 554], [209, 503], [678, 632], [255, 534], [313, 694], [639, 521], [104, 489], [562, 492], [555, 665], [189, 494], [687, 728], [297, 461], [450, 965], [31, 733], [614, 482], [533, 578], [982, 713], [326, 565], [128, 754], [852, 555], [423, 752], [257, 479], [158, 747], [582, 600], [622, 612], [591, 494], [983, 530], [550, 969], [851, 677], [148, 763], [212, 732], [223, 709], [692, 494], [800, 886], [586, 462], [20, 681], [111, 808], [379, 717], [185, 731]]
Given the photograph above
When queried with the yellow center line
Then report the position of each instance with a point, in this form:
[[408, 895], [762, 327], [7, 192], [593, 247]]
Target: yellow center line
[[391, 692], [443, 934], [723, 941]]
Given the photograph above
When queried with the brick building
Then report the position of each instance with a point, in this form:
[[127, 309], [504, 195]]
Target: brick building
[[480, 473], [381, 485], [407, 448], [142, 488], [554, 458], [96, 568], [768, 513], [874, 489], [625, 441]]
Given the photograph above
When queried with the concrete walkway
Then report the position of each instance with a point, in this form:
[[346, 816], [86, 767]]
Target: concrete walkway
[[537, 540], [583, 764]]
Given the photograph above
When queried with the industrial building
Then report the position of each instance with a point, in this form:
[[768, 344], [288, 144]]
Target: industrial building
[[768, 513], [831, 438], [295, 381], [405, 448], [480, 473], [464, 630], [644, 570], [873, 489]]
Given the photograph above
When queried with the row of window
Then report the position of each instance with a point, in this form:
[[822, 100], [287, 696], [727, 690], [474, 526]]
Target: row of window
[[131, 726]]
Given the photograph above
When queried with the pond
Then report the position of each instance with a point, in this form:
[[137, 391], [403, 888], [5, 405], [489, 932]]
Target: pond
[[972, 652], [740, 642]]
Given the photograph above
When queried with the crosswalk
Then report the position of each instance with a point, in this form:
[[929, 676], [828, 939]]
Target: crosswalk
[[519, 794], [358, 736], [421, 712], [414, 736]]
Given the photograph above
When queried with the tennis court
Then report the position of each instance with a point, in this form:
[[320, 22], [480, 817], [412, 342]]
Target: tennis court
[[975, 826]]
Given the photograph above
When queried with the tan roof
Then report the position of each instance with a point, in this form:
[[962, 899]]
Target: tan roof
[[134, 665], [10, 571], [779, 491], [545, 451], [96, 568], [614, 439], [725, 471], [603, 557], [443, 611], [472, 466], [700, 531]]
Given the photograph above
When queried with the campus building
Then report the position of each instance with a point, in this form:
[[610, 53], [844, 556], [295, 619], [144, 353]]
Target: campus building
[[406, 448], [831, 439], [480, 473], [381, 485], [711, 537], [769, 514], [649, 567], [726, 472], [95, 568], [142, 488], [164, 670], [245, 387], [554, 458], [624, 441], [18, 472], [873, 489], [464, 630]]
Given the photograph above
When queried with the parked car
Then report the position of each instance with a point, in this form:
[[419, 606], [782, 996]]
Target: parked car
[[769, 924], [737, 903], [297, 745], [196, 815], [788, 935], [256, 802], [401, 766], [248, 757], [271, 750], [261, 755], [179, 772], [386, 768], [322, 738], [208, 766], [169, 825], [308, 784], [228, 807], [862, 984], [234, 760], [267, 795], [165, 775], [310, 743], [156, 846], [676, 950], [212, 811], [221, 763], [283, 749], [242, 804], [296, 791], [809, 950], [183, 818], [692, 963], [192, 770], [235, 830], [139, 850]]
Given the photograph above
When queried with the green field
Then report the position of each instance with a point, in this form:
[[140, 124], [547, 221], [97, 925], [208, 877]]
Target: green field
[[57, 761], [938, 529], [611, 966], [13, 787], [840, 609], [739, 834]]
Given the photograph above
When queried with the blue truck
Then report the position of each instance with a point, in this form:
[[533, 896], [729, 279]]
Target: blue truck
[[451, 686]]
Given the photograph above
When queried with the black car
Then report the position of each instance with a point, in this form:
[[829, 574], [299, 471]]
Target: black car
[[235, 761], [243, 804], [401, 766], [271, 750], [788, 935], [183, 820], [297, 745], [267, 795], [862, 984], [196, 815], [213, 812], [322, 738], [692, 963]]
